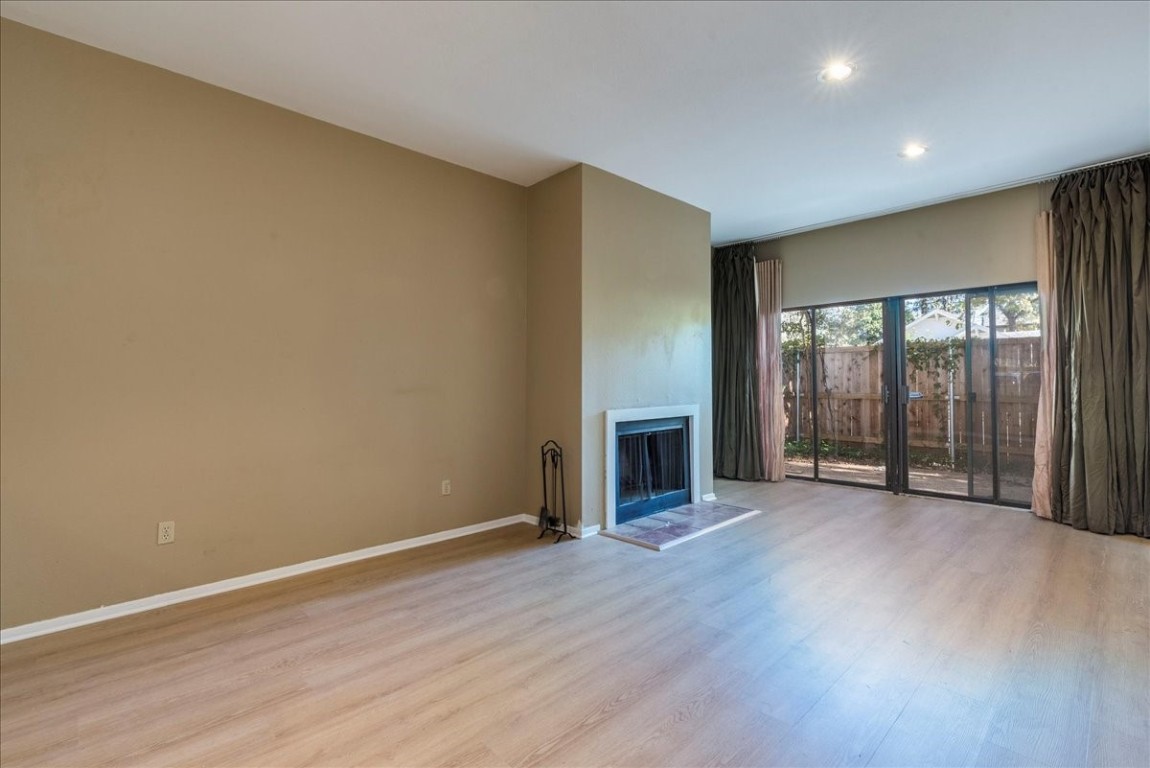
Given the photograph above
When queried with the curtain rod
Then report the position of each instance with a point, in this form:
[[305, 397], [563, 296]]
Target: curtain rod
[[1043, 179], [1105, 164]]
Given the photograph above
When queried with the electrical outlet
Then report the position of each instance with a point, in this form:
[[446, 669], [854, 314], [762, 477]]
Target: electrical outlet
[[445, 488], [166, 532]]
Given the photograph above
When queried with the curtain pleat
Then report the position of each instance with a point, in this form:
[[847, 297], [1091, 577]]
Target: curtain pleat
[[1101, 419], [1048, 316], [737, 413], [770, 365]]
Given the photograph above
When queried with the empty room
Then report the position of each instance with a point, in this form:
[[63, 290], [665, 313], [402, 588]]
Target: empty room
[[574, 383]]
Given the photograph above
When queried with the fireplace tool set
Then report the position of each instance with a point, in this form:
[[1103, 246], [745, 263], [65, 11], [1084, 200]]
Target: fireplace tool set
[[551, 457]]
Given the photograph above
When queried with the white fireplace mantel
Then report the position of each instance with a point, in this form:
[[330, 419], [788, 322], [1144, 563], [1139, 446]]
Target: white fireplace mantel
[[624, 415]]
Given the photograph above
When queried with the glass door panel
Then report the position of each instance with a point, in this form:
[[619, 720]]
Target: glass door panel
[[977, 433], [936, 354], [852, 444], [798, 393], [1017, 376]]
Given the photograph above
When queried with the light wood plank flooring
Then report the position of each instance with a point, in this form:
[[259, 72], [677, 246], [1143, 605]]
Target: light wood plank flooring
[[841, 627]]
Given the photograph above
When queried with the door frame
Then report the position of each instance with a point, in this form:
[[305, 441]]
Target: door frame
[[895, 393]]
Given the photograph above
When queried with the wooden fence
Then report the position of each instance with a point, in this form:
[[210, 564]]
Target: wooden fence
[[849, 384]]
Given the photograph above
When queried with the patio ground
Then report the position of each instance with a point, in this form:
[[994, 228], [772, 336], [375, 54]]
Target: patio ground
[[932, 479]]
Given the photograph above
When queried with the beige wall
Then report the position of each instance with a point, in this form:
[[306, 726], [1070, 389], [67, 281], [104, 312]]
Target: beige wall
[[646, 315], [277, 333], [554, 338], [978, 241]]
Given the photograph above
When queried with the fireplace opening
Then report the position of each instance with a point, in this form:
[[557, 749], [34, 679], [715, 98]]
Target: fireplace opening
[[652, 466]]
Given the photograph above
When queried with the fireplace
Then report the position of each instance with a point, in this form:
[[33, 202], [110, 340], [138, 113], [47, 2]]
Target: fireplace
[[652, 461]]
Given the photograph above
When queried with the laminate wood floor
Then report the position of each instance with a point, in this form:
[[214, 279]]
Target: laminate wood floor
[[840, 627]]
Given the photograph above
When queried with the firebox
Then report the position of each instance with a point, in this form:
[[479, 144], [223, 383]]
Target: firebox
[[652, 460]]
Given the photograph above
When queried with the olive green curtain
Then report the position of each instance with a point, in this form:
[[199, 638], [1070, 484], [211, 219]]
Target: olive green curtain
[[737, 416], [1101, 416]]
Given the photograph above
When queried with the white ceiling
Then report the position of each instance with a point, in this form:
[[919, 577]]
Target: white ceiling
[[715, 103]]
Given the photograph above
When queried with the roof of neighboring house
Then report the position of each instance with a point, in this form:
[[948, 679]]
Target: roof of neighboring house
[[940, 324]]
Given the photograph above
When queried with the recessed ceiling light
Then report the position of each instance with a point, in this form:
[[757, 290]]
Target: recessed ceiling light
[[912, 150], [836, 72]]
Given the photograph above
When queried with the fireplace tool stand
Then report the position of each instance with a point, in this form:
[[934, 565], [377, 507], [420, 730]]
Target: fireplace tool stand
[[551, 456]]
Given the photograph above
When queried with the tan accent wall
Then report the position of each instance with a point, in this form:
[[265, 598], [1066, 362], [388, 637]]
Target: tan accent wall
[[977, 241], [277, 333], [554, 332], [646, 315]]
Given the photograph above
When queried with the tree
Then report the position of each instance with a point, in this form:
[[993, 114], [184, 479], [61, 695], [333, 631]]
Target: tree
[[1017, 311], [954, 303], [854, 325]]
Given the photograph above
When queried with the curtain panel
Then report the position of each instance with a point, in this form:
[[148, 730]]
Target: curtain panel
[[1101, 414], [737, 417], [1048, 365], [770, 365]]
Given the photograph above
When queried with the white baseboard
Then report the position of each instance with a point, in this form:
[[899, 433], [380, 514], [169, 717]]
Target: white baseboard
[[104, 613], [574, 530], [709, 497]]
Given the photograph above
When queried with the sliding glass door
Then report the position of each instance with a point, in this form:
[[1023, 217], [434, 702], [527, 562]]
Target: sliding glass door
[[934, 394], [947, 395], [969, 393], [833, 366]]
